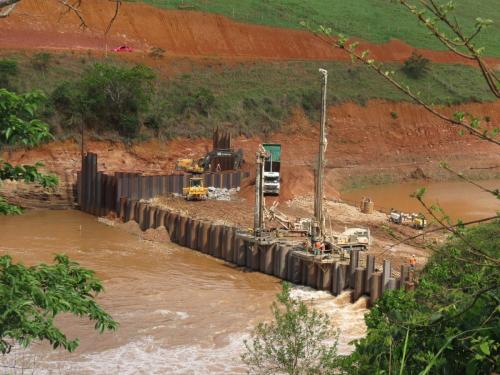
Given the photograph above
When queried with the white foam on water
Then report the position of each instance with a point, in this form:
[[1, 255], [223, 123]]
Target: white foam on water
[[148, 356], [347, 317]]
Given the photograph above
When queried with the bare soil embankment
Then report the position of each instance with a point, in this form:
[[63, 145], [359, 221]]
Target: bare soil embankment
[[40, 24], [365, 143]]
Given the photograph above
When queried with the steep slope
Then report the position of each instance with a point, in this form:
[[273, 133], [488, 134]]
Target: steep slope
[[364, 142], [40, 24]]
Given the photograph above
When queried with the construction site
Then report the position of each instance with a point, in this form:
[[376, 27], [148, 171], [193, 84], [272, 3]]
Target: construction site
[[200, 207], [199, 172]]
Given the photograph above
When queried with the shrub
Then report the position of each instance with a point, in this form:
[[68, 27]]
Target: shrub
[[416, 66], [108, 97], [394, 115]]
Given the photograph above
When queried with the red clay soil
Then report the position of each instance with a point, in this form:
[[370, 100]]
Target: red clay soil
[[363, 141], [40, 25]]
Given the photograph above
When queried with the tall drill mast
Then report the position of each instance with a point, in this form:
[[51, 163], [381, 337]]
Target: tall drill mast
[[258, 221], [320, 169]]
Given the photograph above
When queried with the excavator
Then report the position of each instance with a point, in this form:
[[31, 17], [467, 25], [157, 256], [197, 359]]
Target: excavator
[[205, 163]]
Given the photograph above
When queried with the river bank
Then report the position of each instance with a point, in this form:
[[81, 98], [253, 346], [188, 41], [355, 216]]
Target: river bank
[[180, 311]]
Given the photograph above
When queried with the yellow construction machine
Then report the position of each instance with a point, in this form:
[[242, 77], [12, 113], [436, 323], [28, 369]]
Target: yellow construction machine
[[196, 190], [190, 165]]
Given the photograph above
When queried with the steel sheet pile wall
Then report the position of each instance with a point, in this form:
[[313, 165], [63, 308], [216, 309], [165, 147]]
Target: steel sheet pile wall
[[219, 241], [337, 277], [99, 193], [278, 259]]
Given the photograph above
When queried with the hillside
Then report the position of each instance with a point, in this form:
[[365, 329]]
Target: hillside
[[191, 34], [250, 98], [377, 21]]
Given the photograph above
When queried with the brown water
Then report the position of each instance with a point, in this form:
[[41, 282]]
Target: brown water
[[460, 200], [180, 311]]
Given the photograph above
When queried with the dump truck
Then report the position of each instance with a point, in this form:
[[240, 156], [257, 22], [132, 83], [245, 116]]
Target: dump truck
[[196, 190], [272, 169]]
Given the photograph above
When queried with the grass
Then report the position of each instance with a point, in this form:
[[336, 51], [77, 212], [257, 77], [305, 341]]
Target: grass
[[256, 97], [373, 20]]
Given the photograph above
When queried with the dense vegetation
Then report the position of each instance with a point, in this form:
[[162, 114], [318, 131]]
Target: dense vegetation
[[32, 297], [247, 98], [450, 324], [372, 20]]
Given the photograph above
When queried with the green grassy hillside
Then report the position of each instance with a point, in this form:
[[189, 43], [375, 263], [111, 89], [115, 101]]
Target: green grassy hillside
[[252, 97], [373, 20]]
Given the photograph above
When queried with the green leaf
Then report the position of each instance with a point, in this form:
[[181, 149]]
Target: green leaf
[[485, 348]]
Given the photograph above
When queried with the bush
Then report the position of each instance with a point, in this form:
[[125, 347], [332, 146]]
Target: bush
[[449, 324], [416, 66], [108, 97], [299, 340]]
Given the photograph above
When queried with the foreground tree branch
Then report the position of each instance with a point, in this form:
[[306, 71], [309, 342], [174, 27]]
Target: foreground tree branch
[[7, 6], [457, 120]]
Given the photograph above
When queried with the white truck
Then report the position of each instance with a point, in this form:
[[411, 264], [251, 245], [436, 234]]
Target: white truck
[[272, 169]]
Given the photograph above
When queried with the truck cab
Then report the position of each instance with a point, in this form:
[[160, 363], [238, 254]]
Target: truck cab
[[272, 177]]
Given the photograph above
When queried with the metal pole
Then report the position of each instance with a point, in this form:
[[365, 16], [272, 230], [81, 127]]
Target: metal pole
[[321, 160], [258, 186]]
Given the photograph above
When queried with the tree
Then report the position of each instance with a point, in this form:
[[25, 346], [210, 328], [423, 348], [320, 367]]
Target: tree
[[111, 97], [449, 325], [32, 297], [19, 126], [416, 66], [298, 341]]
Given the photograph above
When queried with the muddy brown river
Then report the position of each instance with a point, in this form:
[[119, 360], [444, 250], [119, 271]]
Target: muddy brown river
[[460, 200], [180, 311]]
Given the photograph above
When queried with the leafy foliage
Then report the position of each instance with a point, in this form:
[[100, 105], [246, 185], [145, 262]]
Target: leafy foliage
[[32, 297], [27, 173], [18, 122], [416, 66], [451, 319], [9, 209], [298, 341], [108, 97]]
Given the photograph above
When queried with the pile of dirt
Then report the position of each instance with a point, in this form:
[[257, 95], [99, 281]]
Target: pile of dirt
[[40, 24]]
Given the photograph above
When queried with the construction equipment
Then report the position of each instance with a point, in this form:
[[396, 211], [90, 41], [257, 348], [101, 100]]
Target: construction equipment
[[272, 169], [418, 221], [189, 165], [196, 190], [414, 220], [213, 161], [301, 226], [258, 222], [352, 239]]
